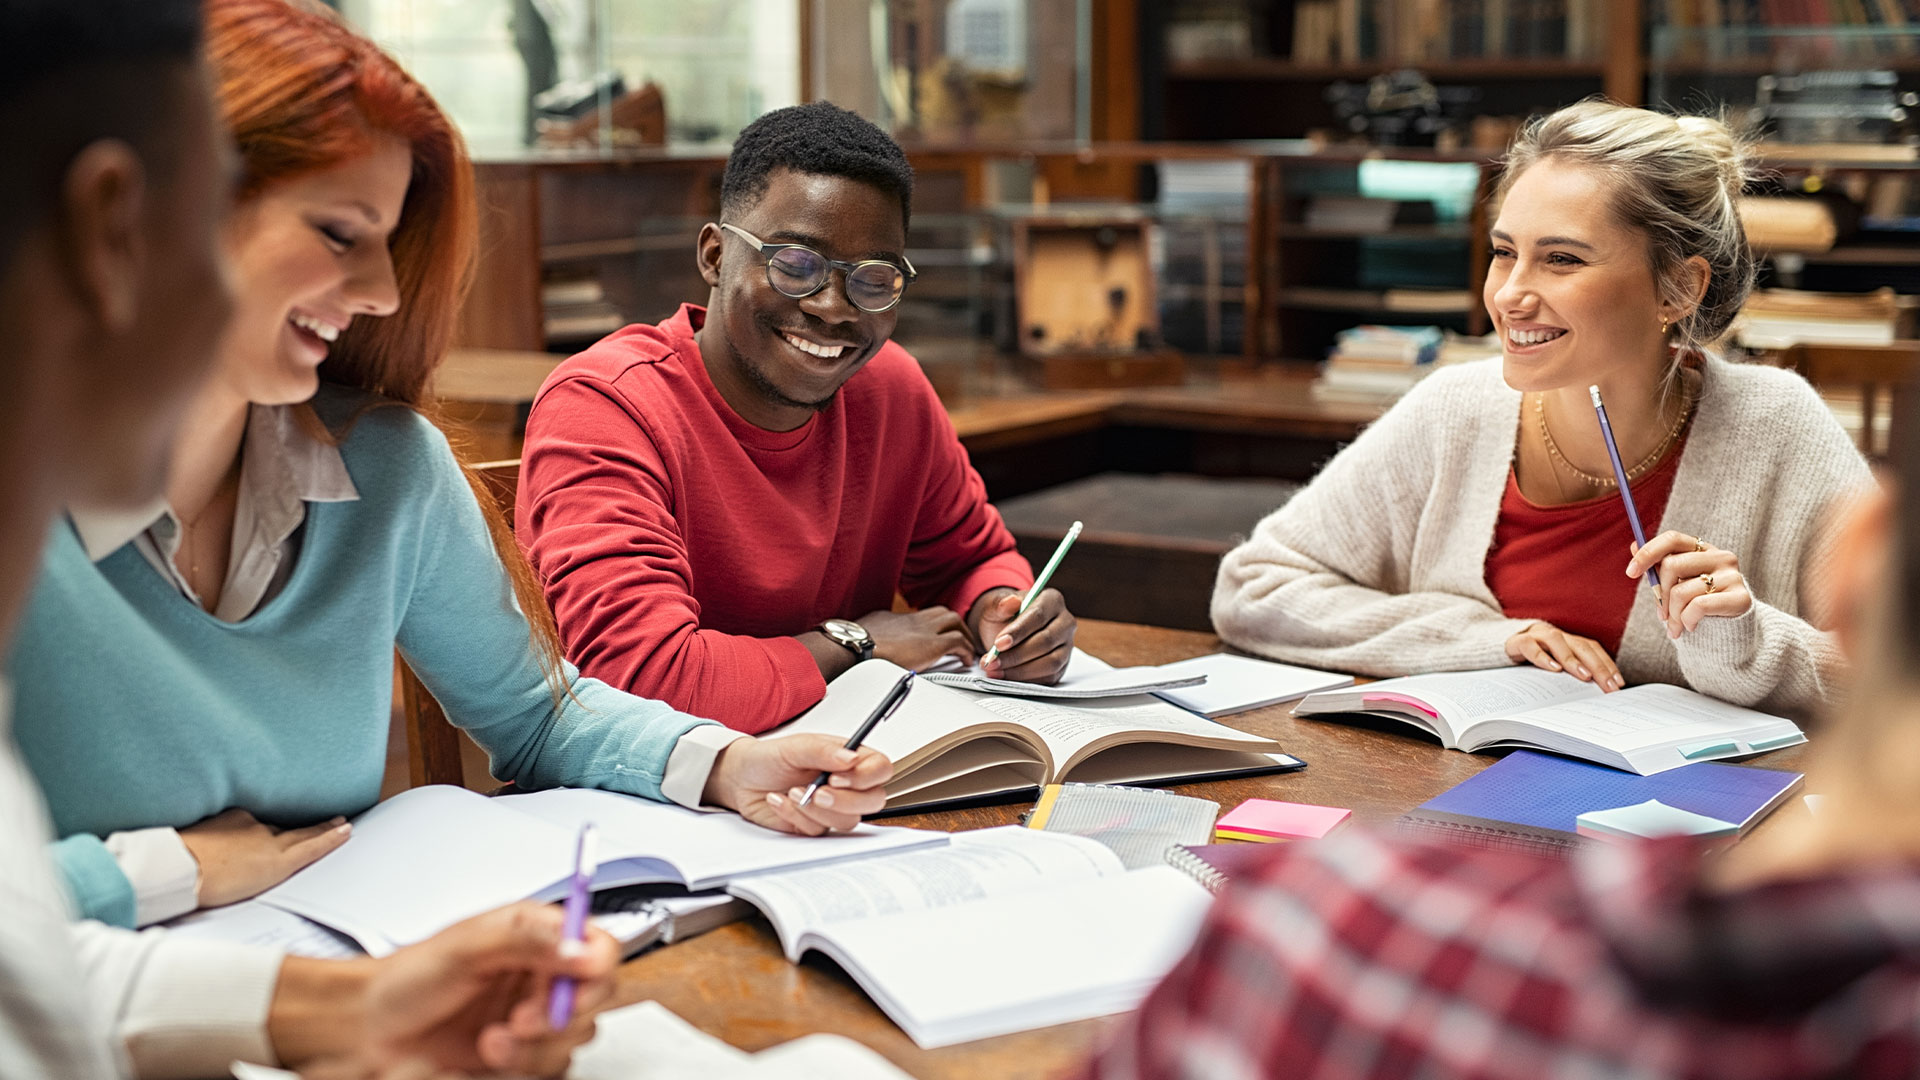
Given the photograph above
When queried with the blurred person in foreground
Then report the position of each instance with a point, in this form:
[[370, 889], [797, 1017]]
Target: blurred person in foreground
[[113, 289]]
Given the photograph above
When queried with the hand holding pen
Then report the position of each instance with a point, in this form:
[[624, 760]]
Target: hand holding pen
[[1033, 629], [1701, 580], [896, 697]]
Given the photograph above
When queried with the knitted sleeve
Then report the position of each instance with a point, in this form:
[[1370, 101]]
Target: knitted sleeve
[[1323, 580], [1780, 656]]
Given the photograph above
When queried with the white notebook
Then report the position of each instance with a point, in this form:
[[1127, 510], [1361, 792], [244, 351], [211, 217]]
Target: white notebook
[[1643, 729], [1087, 677], [1003, 930], [1241, 683], [430, 857]]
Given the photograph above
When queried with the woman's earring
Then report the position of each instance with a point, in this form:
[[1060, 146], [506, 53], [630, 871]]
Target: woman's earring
[[1663, 326]]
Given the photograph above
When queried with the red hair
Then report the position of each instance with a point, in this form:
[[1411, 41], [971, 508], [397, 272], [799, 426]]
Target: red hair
[[301, 92]]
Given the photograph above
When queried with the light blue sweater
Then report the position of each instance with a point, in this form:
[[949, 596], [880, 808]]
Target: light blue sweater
[[135, 708]]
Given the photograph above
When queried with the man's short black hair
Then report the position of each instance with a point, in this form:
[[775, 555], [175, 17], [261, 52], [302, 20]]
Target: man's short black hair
[[819, 138], [73, 72]]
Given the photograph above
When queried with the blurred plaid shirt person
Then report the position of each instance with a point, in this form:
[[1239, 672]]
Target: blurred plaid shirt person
[[1368, 956]]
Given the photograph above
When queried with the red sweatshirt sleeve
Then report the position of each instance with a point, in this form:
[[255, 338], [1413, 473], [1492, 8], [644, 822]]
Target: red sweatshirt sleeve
[[595, 513], [960, 546]]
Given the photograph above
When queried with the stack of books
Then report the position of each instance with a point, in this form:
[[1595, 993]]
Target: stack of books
[[1377, 364], [1778, 318], [577, 311]]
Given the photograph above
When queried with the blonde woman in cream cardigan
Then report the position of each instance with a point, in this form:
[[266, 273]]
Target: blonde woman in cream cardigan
[[1477, 524]]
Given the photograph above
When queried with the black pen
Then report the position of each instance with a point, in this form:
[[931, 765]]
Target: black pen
[[885, 709]]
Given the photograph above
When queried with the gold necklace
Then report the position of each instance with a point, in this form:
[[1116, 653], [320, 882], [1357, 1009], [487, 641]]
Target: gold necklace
[[1648, 462], [193, 527]]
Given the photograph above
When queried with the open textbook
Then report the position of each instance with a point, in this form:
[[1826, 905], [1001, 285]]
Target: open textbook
[[951, 744], [1643, 729], [1002, 930], [430, 857]]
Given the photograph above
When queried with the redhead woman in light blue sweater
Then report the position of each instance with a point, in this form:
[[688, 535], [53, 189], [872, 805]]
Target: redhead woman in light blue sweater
[[204, 688]]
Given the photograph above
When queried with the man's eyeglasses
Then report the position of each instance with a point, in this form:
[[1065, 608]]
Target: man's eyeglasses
[[872, 285]]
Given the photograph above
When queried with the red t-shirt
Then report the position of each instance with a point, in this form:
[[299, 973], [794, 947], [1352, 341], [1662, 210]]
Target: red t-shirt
[[682, 547], [1567, 564]]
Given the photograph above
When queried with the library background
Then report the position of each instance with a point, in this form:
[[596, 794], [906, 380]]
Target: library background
[[1174, 253]]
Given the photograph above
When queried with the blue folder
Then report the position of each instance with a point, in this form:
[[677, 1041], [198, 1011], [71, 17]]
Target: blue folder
[[1529, 801]]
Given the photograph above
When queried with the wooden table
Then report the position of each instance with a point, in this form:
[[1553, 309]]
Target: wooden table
[[734, 983]]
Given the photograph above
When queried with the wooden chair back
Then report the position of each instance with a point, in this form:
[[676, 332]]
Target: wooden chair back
[[1881, 374], [433, 743]]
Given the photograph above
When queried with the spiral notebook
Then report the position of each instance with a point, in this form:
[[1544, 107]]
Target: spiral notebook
[[1213, 865]]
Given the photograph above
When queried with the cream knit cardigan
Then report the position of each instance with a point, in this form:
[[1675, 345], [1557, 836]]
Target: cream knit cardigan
[[1379, 566]]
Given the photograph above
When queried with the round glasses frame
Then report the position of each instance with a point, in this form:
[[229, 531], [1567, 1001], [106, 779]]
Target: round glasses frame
[[847, 269]]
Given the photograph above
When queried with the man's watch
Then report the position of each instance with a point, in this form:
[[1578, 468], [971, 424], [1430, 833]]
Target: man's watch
[[850, 636]]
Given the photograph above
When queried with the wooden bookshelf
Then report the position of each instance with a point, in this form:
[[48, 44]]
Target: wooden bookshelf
[[1264, 69]]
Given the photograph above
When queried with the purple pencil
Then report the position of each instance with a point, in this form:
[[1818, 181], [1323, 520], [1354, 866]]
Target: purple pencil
[[586, 862], [1620, 479]]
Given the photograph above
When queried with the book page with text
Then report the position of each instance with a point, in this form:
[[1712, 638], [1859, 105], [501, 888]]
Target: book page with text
[[1465, 697], [1069, 730], [1642, 717], [974, 866]]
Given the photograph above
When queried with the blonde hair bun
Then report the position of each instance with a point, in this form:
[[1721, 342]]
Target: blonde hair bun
[[1676, 178]]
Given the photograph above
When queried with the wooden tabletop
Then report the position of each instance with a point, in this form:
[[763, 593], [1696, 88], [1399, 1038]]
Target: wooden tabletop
[[734, 982]]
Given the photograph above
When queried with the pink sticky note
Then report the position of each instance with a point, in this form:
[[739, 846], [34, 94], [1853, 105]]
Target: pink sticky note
[[1268, 820]]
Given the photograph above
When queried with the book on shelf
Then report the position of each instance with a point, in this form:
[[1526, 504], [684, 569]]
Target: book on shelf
[[1534, 802], [949, 745], [432, 856], [1002, 930], [1415, 32], [1644, 729]]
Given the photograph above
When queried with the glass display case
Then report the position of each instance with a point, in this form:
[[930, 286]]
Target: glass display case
[[499, 66], [943, 71]]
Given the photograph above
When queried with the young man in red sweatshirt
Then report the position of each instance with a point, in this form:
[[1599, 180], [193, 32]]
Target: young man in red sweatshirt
[[723, 505]]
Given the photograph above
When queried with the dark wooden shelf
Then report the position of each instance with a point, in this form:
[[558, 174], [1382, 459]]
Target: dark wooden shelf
[[1268, 69], [1292, 230], [1868, 254], [1755, 66], [1363, 300]]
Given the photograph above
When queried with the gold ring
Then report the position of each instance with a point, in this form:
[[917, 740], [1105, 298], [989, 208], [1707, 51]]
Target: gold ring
[[1699, 544], [1707, 580]]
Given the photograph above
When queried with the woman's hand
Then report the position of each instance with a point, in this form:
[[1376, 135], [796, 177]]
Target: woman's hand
[[239, 857], [1545, 645], [1697, 580], [764, 778]]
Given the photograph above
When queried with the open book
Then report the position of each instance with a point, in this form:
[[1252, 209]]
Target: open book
[[1643, 729], [950, 744], [430, 857], [1002, 930]]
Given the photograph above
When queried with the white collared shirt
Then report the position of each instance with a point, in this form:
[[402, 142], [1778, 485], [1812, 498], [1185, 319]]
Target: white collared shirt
[[284, 466]]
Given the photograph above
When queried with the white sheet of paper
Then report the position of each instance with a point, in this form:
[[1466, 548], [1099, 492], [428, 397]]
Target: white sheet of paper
[[649, 1042], [1238, 683], [251, 922]]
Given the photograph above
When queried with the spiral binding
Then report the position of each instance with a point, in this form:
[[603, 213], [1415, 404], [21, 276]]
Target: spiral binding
[[1195, 867]]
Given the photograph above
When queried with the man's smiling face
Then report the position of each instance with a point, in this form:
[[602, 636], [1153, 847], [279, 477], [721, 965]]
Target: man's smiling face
[[776, 359]]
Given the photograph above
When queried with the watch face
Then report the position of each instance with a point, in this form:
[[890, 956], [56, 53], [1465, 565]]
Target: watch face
[[846, 632]]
